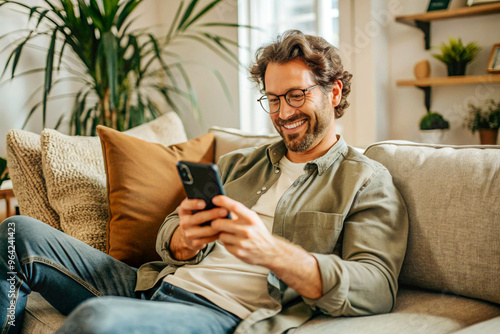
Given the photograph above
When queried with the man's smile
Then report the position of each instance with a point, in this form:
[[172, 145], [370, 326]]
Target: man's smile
[[294, 125]]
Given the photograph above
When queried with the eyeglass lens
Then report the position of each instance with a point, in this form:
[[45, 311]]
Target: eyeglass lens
[[271, 103]]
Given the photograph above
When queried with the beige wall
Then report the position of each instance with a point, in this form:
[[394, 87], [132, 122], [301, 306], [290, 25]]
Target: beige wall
[[381, 51], [154, 14]]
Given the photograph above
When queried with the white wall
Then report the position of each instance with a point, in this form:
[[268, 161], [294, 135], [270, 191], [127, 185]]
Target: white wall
[[383, 51], [406, 49], [214, 105], [14, 94]]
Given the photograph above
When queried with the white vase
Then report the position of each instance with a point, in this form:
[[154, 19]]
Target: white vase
[[435, 136]]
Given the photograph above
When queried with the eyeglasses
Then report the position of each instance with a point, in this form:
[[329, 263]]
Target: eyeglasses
[[294, 97]]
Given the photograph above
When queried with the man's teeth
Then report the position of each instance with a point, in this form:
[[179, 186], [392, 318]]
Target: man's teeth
[[293, 125]]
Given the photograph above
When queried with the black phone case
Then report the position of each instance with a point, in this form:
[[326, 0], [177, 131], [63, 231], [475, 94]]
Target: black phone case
[[201, 181]]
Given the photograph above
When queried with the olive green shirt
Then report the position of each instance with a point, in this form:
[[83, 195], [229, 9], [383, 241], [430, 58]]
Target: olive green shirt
[[345, 211]]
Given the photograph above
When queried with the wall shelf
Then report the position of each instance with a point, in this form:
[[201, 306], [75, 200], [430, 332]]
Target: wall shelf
[[427, 83], [449, 81], [423, 21]]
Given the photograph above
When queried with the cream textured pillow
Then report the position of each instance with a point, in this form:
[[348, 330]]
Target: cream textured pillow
[[24, 159], [73, 168]]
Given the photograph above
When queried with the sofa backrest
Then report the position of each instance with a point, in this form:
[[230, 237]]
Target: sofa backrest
[[228, 140], [453, 199]]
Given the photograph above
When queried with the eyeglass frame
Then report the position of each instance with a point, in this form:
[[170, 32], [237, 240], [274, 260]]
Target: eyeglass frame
[[286, 100]]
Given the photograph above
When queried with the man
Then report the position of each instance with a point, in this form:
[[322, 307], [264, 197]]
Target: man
[[315, 228]]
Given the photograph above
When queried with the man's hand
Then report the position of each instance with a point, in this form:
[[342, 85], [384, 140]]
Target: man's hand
[[190, 237], [246, 237]]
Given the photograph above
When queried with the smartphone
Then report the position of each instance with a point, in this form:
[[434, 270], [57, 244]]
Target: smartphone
[[201, 181]]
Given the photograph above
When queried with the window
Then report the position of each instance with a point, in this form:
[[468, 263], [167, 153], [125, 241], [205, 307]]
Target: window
[[273, 17]]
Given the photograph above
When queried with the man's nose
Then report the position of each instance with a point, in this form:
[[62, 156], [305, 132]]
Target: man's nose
[[286, 110]]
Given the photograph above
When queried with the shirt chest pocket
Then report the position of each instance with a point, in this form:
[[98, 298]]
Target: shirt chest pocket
[[317, 232]]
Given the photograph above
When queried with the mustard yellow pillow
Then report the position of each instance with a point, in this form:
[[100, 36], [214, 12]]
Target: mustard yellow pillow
[[143, 187]]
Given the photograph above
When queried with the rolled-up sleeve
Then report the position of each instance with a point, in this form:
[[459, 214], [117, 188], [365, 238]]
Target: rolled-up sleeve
[[164, 237], [362, 279]]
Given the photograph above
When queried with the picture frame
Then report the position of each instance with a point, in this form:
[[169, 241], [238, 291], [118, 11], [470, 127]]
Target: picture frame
[[438, 5], [494, 63]]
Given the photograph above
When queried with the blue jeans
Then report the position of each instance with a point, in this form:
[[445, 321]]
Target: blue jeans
[[69, 274]]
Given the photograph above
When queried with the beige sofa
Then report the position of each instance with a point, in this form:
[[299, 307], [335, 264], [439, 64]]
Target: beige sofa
[[450, 280]]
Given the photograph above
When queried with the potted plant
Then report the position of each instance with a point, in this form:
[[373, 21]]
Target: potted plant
[[484, 120], [3, 171], [432, 127], [456, 55], [126, 76]]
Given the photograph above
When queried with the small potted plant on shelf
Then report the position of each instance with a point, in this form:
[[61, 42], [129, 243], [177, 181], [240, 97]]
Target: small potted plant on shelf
[[432, 127], [484, 120], [456, 55]]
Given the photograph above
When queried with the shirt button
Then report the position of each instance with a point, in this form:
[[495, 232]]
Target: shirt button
[[259, 192], [264, 188], [277, 170]]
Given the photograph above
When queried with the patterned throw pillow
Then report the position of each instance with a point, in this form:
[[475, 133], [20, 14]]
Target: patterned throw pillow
[[73, 168]]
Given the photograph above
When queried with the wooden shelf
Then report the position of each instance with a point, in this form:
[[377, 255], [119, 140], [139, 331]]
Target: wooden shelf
[[450, 13], [427, 83], [449, 81], [423, 21]]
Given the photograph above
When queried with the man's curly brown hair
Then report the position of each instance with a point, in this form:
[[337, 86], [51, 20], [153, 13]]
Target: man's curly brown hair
[[319, 55]]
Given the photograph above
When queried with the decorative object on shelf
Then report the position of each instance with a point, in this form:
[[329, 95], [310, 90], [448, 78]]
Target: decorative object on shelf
[[438, 5], [484, 120], [433, 127], [455, 4], [4, 172], [422, 69], [456, 55], [494, 63], [128, 76], [480, 2]]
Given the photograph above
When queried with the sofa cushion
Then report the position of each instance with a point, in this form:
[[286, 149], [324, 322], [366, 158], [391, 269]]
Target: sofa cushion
[[143, 187], [40, 317], [228, 140], [452, 195], [24, 159], [73, 169], [416, 312]]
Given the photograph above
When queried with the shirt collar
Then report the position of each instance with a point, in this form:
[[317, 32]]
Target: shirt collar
[[277, 150]]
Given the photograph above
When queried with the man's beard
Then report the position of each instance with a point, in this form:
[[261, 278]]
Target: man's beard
[[323, 119]]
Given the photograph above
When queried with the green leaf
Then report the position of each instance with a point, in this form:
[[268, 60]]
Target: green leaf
[[3, 170], [201, 14], [17, 54], [49, 69], [187, 14], [174, 21], [110, 46], [125, 12]]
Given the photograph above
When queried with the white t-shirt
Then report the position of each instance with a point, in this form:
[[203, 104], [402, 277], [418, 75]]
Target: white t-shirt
[[228, 282]]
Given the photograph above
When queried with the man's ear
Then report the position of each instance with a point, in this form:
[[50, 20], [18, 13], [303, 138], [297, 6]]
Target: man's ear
[[336, 93]]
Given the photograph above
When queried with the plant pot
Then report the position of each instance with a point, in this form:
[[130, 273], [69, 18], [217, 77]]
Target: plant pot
[[488, 136], [457, 68], [435, 136]]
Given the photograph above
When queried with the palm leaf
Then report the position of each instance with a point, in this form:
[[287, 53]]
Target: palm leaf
[[187, 13], [110, 46], [49, 69], [174, 21], [200, 14]]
